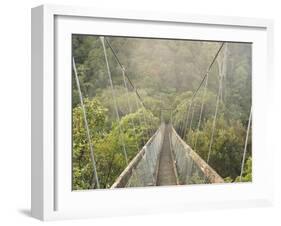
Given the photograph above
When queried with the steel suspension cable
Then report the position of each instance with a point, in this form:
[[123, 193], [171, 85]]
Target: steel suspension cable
[[141, 115], [204, 77], [86, 124], [145, 123], [129, 105], [191, 121], [149, 130], [125, 75], [201, 111], [121, 65], [186, 120], [131, 83], [114, 100], [208, 71], [139, 107], [214, 121], [245, 145], [180, 122]]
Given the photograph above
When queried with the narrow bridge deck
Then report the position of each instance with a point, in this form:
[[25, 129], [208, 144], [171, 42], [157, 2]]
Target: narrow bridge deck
[[166, 171], [166, 162]]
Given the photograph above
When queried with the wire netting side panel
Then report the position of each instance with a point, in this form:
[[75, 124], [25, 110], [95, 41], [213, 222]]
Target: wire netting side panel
[[144, 173], [188, 171], [196, 175]]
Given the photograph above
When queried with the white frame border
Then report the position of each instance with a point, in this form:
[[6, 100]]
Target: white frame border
[[43, 86]]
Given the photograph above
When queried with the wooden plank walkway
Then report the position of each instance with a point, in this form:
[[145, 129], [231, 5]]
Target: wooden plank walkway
[[166, 173]]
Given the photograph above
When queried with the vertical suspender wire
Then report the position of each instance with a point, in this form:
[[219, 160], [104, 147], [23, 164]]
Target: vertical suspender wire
[[216, 111], [171, 118], [175, 122], [119, 63], [139, 109], [186, 121], [130, 82], [224, 69], [86, 125], [114, 100], [215, 116], [214, 121], [213, 127], [142, 108], [187, 139], [191, 120], [150, 130], [126, 86], [145, 122], [129, 105], [137, 97], [201, 110], [180, 123], [245, 146], [202, 81], [183, 122], [181, 126]]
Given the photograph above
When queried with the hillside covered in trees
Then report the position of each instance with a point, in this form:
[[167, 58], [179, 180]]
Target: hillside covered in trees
[[165, 73]]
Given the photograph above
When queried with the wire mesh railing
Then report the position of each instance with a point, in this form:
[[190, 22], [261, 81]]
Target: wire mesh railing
[[191, 168], [142, 170]]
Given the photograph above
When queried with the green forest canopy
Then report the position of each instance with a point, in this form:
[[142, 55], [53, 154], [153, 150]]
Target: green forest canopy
[[166, 73]]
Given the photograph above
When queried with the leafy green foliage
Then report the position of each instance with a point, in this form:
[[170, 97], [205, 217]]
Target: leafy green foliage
[[227, 147], [247, 173], [133, 130], [82, 165]]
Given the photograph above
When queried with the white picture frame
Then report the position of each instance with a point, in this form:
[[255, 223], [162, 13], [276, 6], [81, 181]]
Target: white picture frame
[[52, 197]]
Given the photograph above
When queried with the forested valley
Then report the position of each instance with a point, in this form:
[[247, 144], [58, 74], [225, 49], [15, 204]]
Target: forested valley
[[165, 73]]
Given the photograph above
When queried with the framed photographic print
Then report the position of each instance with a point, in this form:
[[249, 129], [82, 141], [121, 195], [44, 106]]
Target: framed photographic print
[[136, 112]]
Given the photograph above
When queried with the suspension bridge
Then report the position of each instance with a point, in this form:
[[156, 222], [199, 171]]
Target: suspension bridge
[[165, 159]]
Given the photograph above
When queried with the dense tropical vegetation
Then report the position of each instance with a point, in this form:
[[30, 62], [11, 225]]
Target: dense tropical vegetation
[[166, 73]]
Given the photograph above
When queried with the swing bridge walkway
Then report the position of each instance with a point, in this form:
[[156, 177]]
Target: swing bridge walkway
[[166, 160]]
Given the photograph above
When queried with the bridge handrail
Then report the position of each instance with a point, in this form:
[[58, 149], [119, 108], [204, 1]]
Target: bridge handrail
[[125, 176], [211, 175]]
